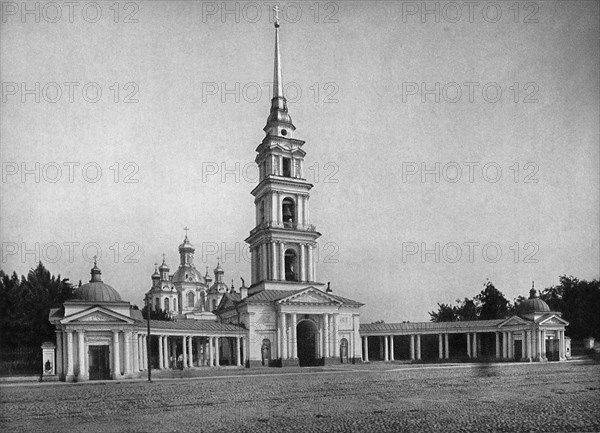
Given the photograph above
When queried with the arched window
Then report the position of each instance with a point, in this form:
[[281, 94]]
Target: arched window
[[288, 211], [157, 304], [291, 266], [214, 305], [174, 304], [190, 299], [166, 304]]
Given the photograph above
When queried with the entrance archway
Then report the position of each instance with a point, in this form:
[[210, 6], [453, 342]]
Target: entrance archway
[[307, 334], [99, 363]]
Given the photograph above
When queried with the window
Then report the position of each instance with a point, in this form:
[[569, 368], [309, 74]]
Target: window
[[166, 304], [190, 299], [291, 266], [157, 304], [261, 212], [287, 167], [214, 304]]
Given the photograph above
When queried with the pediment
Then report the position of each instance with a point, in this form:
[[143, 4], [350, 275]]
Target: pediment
[[553, 320], [310, 296], [96, 315], [514, 320]]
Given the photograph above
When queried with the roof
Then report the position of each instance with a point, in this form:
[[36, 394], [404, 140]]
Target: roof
[[430, 326], [195, 325], [97, 291]]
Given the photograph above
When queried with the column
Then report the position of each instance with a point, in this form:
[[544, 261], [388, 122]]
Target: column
[[184, 351], [281, 261], [497, 344], [190, 352], [511, 346], [81, 353], [166, 350], [469, 344], [366, 349], [336, 336], [59, 354], [217, 363], [273, 261], [116, 367], [325, 336], [412, 347], [418, 346], [127, 352], [447, 346], [136, 352], [302, 263], [238, 351], [279, 218], [544, 345], [161, 360], [210, 352], [294, 336], [304, 213], [199, 351], [561, 345], [245, 350], [274, 205], [475, 355], [440, 347], [391, 348], [504, 345], [70, 372], [523, 346], [386, 350], [309, 254], [283, 331], [264, 261], [529, 345], [144, 352]]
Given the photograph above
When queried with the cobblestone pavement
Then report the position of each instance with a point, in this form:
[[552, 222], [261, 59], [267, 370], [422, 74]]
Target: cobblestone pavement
[[551, 397]]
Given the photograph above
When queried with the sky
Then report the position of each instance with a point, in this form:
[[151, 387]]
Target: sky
[[448, 143]]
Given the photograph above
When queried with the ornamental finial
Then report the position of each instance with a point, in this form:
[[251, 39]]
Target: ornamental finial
[[276, 9]]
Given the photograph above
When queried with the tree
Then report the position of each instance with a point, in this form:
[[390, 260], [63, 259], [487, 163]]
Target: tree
[[25, 304], [579, 302], [493, 304], [445, 313]]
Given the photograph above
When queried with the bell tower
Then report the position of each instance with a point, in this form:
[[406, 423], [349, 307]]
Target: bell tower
[[283, 242]]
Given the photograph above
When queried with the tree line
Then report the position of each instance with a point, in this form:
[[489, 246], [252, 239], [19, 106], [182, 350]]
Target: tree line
[[577, 300]]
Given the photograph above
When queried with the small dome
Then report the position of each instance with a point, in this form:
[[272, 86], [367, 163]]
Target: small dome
[[156, 275], [96, 290], [163, 267], [188, 274], [533, 305], [186, 245]]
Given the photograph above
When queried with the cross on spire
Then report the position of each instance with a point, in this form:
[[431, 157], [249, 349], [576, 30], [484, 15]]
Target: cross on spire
[[186, 230], [95, 260], [164, 256], [276, 9]]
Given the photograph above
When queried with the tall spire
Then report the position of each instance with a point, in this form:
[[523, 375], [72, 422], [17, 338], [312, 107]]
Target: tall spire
[[277, 82], [279, 122]]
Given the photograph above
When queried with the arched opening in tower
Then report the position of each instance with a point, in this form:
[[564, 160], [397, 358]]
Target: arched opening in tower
[[291, 266], [289, 213]]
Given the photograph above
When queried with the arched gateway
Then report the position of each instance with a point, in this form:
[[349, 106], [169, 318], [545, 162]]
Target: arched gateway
[[308, 335]]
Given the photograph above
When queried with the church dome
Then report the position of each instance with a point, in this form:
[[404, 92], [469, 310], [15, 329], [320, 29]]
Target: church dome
[[533, 305], [96, 290], [188, 274], [186, 245]]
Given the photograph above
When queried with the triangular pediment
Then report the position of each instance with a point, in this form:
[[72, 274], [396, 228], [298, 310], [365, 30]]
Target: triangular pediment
[[553, 320], [309, 296], [97, 314], [514, 320]]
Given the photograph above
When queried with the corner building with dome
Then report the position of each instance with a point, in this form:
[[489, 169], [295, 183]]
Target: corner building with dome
[[285, 317]]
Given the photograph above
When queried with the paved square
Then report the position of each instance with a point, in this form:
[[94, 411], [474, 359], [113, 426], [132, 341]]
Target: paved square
[[551, 397]]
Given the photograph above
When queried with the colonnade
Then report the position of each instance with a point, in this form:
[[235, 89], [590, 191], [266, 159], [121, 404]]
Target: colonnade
[[207, 351], [532, 345]]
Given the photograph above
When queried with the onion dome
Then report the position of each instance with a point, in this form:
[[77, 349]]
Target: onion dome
[[96, 290], [219, 269], [534, 304], [163, 267], [186, 245], [156, 275], [187, 274]]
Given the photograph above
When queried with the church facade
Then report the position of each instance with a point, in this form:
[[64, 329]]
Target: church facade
[[285, 317]]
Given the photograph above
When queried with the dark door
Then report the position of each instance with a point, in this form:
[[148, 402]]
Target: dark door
[[552, 349], [99, 363], [307, 342], [517, 350]]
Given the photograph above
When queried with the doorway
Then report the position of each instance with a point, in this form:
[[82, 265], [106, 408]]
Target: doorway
[[307, 333], [99, 361]]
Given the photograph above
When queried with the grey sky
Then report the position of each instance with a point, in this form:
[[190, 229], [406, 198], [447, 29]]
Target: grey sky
[[366, 130]]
